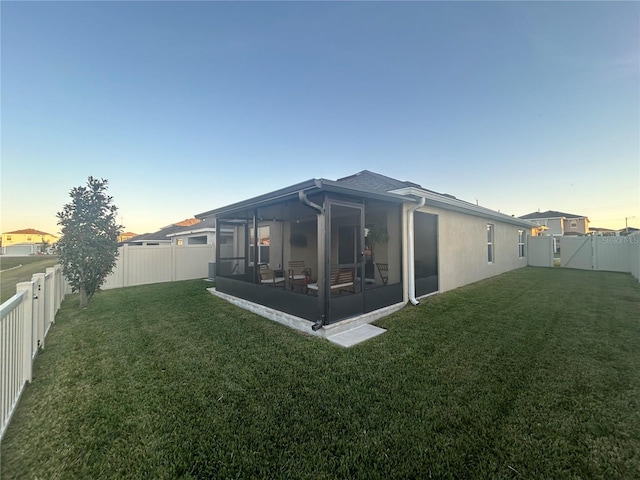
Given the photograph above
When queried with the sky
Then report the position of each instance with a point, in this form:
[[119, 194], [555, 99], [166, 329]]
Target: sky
[[189, 106]]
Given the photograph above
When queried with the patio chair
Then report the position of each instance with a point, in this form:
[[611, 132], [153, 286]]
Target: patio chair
[[383, 270], [268, 276], [299, 274], [342, 279]]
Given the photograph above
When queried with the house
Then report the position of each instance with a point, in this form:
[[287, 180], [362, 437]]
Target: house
[[160, 237], [629, 231], [604, 232], [195, 233], [559, 223], [322, 255], [123, 237], [26, 242], [192, 231]]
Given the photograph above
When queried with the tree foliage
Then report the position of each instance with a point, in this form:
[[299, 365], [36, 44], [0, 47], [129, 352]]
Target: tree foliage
[[88, 247]]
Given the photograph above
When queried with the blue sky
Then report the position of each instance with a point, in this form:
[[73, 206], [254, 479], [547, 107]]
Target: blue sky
[[185, 107]]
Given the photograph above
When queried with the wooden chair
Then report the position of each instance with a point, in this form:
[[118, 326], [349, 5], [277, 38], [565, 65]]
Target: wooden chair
[[383, 270], [342, 279], [299, 274], [268, 276]]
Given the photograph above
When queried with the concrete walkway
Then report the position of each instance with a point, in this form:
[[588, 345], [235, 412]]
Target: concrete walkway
[[356, 335]]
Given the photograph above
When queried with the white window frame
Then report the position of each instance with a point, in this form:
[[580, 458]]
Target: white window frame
[[521, 250], [491, 252]]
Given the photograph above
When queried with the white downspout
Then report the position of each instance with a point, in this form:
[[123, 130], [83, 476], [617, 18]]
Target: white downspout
[[410, 251]]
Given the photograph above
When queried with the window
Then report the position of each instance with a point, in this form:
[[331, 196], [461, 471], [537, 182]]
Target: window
[[179, 242], [264, 240], [8, 238], [521, 243], [573, 224], [490, 250], [28, 238]]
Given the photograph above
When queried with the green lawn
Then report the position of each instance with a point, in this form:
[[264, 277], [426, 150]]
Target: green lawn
[[532, 374], [26, 267]]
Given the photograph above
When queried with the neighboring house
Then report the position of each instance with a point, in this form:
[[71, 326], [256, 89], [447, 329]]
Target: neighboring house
[[187, 232], [28, 236], [195, 233], [369, 244], [155, 238], [123, 237], [558, 224], [605, 232]]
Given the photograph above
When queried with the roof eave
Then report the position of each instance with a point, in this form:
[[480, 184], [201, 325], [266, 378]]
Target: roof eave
[[190, 232], [290, 193], [460, 206], [261, 200]]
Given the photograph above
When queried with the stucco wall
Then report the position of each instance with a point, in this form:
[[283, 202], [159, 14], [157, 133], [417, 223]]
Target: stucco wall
[[462, 248], [308, 254], [17, 238]]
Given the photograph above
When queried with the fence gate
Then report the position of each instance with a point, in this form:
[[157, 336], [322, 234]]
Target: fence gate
[[612, 254], [577, 252], [540, 251]]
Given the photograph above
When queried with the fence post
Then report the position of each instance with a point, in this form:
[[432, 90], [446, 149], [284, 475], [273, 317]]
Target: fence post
[[27, 328], [50, 295], [125, 265], [57, 283], [39, 310], [173, 262]]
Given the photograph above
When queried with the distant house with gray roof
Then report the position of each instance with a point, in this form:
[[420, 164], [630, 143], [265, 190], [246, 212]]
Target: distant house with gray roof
[[162, 236], [559, 224], [192, 231]]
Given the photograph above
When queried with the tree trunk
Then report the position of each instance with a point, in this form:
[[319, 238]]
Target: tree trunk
[[84, 300]]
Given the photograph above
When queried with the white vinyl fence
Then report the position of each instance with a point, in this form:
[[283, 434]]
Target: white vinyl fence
[[28, 315], [613, 254], [24, 323], [143, 264], [592, 252], [540, 251]]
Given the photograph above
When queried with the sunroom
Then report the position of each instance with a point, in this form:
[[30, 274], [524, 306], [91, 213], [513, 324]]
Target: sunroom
[[319, 251]]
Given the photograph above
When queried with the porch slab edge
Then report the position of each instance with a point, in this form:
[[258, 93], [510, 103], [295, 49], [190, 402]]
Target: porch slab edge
[[303, 325]]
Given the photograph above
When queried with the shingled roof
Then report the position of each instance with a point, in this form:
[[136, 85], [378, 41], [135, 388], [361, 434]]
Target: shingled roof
[[374, 182], [28, 231], [550, 214], [161, 235]]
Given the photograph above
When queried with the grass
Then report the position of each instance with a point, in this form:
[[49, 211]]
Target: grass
[[532, 374], [26, 267]]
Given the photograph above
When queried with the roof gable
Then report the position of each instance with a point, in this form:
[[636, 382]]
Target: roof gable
[[550, 214]]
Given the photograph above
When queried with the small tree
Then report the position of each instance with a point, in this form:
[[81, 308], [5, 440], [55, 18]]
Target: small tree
[[88, 247]]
